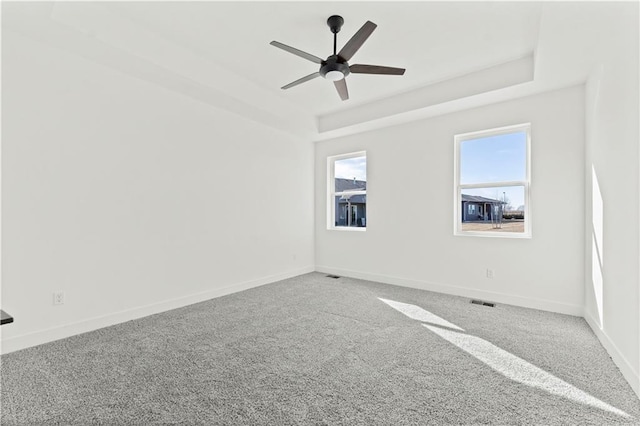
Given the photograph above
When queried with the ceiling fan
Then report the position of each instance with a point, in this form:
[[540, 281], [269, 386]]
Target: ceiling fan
[[336, 67]]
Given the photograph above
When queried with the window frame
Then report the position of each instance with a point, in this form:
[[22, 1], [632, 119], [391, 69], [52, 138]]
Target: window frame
[[331, 192], [458, 187]]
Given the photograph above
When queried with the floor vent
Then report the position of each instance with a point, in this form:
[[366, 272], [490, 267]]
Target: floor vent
[[480, 302], [333, 276]]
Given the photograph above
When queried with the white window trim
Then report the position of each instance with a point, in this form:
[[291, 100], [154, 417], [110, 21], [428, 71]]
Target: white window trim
[[457, 187], [331, 213]]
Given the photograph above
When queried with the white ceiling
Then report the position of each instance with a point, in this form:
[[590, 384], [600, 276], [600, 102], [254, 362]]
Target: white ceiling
[[433, 41], [219, 52]]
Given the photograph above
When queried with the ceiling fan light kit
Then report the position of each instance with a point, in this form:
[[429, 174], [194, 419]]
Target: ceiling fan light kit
[[333, 69], [336, 67], [334, 75]]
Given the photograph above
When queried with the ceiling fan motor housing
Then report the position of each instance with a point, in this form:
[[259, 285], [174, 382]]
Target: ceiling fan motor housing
[[334, 63]]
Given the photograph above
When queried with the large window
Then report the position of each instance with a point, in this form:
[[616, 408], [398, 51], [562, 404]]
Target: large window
[[492, 177], [347, 191]]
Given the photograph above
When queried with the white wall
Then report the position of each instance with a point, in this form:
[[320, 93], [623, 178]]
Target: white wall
[[409, 238], [612, 233], [133, 199]]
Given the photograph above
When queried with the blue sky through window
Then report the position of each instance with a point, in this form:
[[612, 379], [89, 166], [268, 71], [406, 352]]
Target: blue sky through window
[[491, 159], [350, 168]]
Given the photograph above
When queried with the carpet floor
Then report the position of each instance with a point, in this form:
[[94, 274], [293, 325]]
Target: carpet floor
[[316, 350]]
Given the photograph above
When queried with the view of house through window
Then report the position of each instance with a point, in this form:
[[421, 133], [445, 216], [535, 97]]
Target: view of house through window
[[348, 191], [492, 182]]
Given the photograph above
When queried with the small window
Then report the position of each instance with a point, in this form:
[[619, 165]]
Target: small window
[[347, 191], [492, 182]]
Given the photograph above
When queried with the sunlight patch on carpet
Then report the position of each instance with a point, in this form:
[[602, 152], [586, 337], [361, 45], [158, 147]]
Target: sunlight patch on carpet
[[519, 370], [419, 314], [505, 363]]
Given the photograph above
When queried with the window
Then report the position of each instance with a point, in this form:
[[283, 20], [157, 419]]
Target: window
[[347, 191], [492, 175]]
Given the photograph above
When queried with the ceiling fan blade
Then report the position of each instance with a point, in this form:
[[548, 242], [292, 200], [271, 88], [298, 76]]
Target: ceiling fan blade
[[302, 80], [357, 40], [341, 86], [375, 69], [298, 52]]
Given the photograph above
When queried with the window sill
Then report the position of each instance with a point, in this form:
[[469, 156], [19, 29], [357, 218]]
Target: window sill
[[488, 234], [348, 228]]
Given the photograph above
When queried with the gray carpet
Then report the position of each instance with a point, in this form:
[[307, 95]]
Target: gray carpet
[[315, 350]]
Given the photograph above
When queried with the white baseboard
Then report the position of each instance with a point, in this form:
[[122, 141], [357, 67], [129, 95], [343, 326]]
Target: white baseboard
[[627, 370], [60, 332], [541, 304]]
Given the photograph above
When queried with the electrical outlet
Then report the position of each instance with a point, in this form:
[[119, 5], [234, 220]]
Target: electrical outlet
[[58, 298], [490, 273]]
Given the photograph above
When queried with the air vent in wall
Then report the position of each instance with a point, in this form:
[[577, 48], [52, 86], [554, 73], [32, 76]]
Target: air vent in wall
[[332, 276], [480, 302]]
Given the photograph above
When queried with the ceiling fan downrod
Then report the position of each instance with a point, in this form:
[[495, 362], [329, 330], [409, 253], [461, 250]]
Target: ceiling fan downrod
[[335, 23]]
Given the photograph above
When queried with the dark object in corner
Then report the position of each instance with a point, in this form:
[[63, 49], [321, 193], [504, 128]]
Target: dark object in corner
[[333, 276], [5, 318]]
